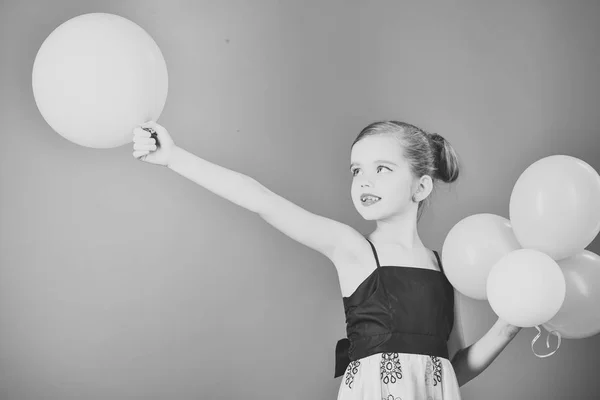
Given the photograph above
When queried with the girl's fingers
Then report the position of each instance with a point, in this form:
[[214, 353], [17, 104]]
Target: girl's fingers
[[144, 147], [144, 140]]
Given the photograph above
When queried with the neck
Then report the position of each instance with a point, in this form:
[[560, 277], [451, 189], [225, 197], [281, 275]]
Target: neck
[[399, 230]]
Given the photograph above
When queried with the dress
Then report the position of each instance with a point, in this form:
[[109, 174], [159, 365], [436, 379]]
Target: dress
[[398, 322]]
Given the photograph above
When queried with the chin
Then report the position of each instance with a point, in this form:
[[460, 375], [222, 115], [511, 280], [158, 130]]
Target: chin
[[370, 215]]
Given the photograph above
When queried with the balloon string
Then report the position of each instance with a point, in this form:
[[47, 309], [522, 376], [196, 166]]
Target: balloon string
[[557, 334]]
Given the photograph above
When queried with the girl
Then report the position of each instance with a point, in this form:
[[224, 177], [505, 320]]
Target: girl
[[403, 324]]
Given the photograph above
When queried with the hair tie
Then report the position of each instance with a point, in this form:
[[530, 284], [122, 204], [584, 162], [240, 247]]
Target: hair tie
[[436, 138]]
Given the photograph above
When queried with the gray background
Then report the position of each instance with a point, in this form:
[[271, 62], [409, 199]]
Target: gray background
[[122, 280]]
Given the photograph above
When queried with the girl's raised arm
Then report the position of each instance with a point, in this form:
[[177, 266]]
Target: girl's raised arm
[[322, 234]]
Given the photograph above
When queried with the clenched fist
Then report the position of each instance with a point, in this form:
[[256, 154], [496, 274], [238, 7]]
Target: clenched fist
[[152, 143]]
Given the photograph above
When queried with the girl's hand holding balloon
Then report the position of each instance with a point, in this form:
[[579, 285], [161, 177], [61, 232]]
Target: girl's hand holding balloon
[[152, 144]]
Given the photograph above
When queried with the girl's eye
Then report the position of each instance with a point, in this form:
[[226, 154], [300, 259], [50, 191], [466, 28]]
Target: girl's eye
[[355, 171]]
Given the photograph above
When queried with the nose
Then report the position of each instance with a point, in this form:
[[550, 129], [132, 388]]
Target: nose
[[366, 183]]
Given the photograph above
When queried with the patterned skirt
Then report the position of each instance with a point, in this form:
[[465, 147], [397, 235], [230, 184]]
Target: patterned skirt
[[399, 376]]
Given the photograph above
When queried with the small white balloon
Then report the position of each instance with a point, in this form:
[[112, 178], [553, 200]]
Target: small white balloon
[[526, 288]]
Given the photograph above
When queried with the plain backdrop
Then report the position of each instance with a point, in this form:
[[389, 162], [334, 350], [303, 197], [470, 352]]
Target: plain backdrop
[[123, 280]]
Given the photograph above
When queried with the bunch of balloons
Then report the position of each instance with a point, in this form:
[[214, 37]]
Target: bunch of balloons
[[98, 76], [534, 269]]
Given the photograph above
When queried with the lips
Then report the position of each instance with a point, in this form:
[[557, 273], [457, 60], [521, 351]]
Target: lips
[[368, 199]]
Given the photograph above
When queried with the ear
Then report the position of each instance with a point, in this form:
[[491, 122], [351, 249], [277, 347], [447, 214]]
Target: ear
[[424, 186]]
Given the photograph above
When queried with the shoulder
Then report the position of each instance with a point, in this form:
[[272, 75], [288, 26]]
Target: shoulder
[[352, 249], [354, 261]]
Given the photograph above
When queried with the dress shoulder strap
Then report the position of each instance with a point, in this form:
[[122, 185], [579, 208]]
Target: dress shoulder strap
[[374, 253], [439, 260]]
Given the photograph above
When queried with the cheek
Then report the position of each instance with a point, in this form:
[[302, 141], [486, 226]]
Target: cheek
[[398, 190], [354, 188]]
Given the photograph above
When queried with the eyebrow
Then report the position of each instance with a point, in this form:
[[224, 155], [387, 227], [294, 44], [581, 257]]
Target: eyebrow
[[375, 162]]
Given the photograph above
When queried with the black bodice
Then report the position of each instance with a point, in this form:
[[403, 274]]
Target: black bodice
[[397, 309]]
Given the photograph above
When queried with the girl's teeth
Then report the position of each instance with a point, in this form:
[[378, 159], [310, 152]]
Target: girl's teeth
[[370, 200]]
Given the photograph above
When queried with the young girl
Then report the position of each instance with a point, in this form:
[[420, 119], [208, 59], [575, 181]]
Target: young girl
[[403, 323]]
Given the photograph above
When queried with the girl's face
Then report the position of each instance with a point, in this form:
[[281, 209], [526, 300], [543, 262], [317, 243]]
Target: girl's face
[[381, 178]]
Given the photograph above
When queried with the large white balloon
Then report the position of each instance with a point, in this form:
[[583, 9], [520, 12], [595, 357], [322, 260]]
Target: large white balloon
[[96, 77], [555, 206]]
